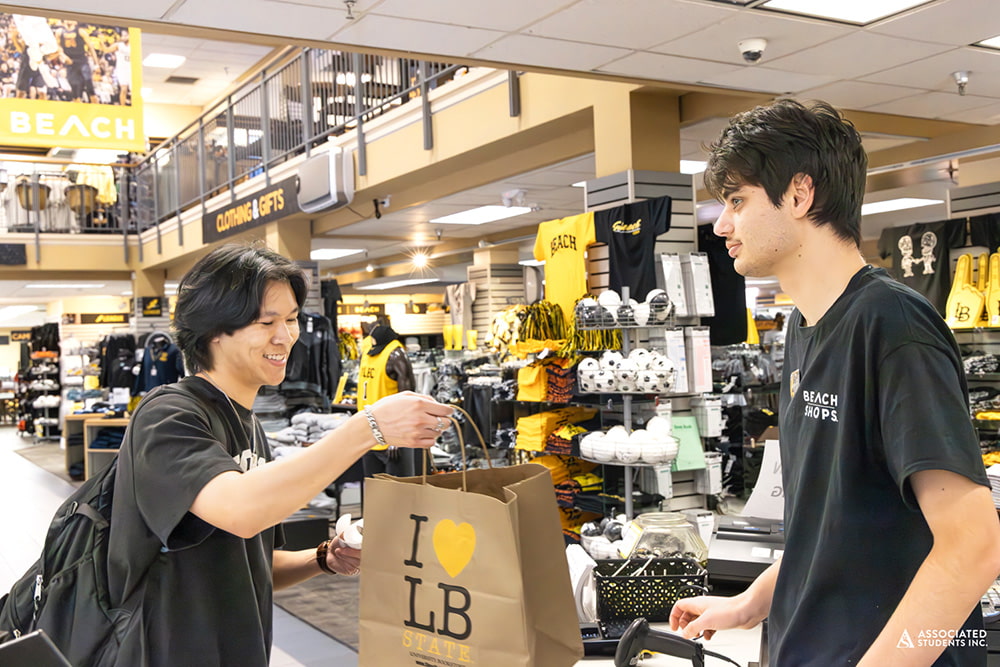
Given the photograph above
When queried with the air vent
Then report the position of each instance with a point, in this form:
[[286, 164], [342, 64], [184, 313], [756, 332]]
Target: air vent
[[185, 80]]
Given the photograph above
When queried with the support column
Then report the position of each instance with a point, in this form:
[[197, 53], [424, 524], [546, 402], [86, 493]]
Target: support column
[[291, 238], [637, 130], [148, 282]]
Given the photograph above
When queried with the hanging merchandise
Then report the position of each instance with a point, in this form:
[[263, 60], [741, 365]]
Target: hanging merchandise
[[920, 256], [984, 230], [965, 301], [347, 345], [313, 367], [459, 299], [162, 363], [729, 324], [630, 232], [993, 292], [562, 245]]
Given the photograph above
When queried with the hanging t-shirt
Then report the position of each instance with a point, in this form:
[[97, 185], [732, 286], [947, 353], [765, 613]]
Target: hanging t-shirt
[[729, 325], [984, 230], [630, 232], [920, 256], [562, 244]]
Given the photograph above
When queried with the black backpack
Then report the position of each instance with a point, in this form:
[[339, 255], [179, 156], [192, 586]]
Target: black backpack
[[65, 593]]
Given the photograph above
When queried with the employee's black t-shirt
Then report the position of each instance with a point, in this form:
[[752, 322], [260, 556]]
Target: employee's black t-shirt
[[630, 232], [871, 394], [920, 256], [208, 595]]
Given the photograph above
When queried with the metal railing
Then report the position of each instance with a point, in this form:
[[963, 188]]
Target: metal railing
[[277, 115]]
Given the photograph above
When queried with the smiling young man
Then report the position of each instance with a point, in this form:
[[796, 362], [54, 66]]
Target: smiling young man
[[891, 536], [197, 503]]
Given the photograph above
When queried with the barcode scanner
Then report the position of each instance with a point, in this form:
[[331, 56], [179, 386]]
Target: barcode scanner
[[640, 637]]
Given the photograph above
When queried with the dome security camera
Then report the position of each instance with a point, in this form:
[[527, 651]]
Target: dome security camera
[[752, 49]]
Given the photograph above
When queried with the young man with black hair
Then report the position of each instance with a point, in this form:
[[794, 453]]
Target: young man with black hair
[[197, 512], [890, 530]]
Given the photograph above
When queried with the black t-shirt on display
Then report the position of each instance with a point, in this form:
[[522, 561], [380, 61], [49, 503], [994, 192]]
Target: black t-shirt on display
[[208, 596], [920, 256], [729, 324], [984, 230], [871, 394], [630, 232]]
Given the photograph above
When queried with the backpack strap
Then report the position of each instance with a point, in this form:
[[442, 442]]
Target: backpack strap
[[86, 510]]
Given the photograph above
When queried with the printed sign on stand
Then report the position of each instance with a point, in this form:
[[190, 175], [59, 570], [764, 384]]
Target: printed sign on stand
[[767, 501]]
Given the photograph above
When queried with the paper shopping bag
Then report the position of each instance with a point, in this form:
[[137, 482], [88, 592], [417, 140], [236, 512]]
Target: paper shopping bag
[[474, 578]]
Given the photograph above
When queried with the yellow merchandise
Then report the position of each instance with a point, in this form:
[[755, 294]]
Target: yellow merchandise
[[753, 337], [982, 284], [562, 245], [965, 302], [533, 430], [373, 381], [993, 292], [532, 382]]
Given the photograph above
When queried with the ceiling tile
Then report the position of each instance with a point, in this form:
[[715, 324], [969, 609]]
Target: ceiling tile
[[987, 115], [856, 54], [935, 73], [954, 22], [785, 35], [769, 80], [147, 9], [638, 24], [669, 68], [513, 14], [546, 52], [857, 94], [411, 35], [266, 17], [932, 105]]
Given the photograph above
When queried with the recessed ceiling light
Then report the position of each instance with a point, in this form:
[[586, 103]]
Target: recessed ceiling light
[[10, 312], [897, 205], [579, 184], [145, 92], [693, 166], [163, 60], [482, 215], [855, 11], [992, 42], [532, 262], [333, 253], [406, 282], [65, 285]]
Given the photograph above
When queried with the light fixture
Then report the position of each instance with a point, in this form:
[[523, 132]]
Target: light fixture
[[482, 215], [145, 93], [992, 42], [64, 285], [420, 260], [693, 166], [404, 282], [532, 262], [10, 312], [853, 11], [333, 253], [369, 267], [163, 60], [897, 205], [961, 80], [579, 184]]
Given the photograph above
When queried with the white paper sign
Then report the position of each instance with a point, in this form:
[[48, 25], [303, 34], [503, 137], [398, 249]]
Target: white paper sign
[[768, 498]]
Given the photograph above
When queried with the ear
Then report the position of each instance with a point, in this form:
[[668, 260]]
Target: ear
[[800, 193]]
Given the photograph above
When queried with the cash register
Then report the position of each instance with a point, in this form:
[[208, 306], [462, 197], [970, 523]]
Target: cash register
[[743, 547]]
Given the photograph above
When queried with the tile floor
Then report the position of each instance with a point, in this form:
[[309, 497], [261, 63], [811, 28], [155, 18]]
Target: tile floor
[[29, 496]]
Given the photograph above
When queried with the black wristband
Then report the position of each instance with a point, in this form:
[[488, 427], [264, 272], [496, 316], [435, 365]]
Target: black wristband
[[321, 552]]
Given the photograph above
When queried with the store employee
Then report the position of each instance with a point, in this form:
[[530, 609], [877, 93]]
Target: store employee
[[891, 536]]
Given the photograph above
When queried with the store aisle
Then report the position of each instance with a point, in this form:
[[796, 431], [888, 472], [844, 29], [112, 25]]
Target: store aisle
[[29, 496]]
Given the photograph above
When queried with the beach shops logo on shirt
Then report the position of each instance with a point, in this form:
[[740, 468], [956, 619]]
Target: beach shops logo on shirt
[[821, 405], [562, 242], [631, 228]]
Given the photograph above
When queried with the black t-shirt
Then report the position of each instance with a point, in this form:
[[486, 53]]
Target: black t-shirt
[[630, 232], [984, 230], [871, 394], [729, 324], [208, 592], [920, 256]]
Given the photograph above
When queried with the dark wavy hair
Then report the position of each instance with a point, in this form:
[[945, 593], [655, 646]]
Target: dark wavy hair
[[768, 145], [223, 292]]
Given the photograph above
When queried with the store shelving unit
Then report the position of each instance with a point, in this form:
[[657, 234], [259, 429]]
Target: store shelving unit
[[95, 458]]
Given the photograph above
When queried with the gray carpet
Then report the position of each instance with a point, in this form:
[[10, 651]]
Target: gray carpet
[[328, 603], [49, 457]]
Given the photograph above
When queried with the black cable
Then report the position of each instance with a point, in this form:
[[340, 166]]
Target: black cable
[[713, 654]]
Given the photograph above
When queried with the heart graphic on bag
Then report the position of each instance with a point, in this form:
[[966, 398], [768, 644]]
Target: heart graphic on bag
[[454, 545]]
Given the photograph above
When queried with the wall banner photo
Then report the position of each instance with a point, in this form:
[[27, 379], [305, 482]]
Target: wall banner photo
[[69, 84]]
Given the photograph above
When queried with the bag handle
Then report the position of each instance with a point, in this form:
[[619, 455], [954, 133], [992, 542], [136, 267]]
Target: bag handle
[[461, 442]]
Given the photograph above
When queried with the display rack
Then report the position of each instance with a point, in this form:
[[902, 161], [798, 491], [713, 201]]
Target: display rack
[[95, 458], [43, 383]]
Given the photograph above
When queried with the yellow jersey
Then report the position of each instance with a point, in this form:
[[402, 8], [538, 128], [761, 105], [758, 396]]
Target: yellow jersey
[[373, 382]]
